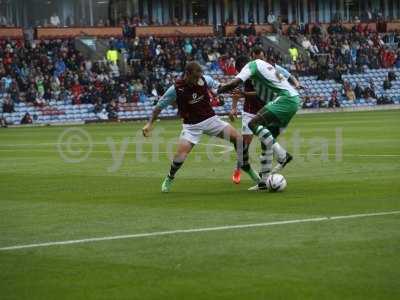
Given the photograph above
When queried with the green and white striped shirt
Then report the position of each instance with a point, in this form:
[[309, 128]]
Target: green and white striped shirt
[[266, 79]]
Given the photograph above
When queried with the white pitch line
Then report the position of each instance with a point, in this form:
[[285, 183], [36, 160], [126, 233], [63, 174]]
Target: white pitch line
[[195, 230], [379, 155], [351, 155]]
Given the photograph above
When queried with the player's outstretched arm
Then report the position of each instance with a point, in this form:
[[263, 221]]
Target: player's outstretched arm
[[243, 75], [167, 99], [149, 125], [291, 78], [249, 94], [293, 81], [229, 86]]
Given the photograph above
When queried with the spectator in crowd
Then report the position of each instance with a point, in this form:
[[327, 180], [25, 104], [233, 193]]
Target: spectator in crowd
[[2, 86], [243, 30], [69, 21], [334, 100], [271, 18], [306, 44], [100, 23], [384, 100], [338, 71], [77, 92], [397, 63], [8, 105], [6, 82], [251, 30], [30, 95], [387, 85], [3, 122], [112, 110], [122, 98], [98, 106], [358, 91], [55, 87], [228, 65], [3, 21], [277, 25], [27, 119], [55, 20], [388, 57], [369, 92], [113, 70], [154, 93], [391, 76], [294, 53], [348, 91], [65, 94], [188, 48], [112, 55], [14, 92], [40, 85], [59, 67], [213, 57], [39, 101], [323, 72], [367, 16], [307, 103], [293, 31]]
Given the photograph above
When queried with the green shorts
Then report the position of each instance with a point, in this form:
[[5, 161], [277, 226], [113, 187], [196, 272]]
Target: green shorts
[[284, 107]]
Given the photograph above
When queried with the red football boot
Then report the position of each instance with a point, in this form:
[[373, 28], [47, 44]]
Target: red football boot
[[236, 176]]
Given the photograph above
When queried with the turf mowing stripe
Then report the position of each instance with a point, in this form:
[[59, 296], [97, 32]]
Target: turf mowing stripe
[[227, 149], [105, 143], [193, 230]]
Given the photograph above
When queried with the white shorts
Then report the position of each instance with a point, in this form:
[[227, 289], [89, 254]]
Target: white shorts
[[212, 126], [246, 118]]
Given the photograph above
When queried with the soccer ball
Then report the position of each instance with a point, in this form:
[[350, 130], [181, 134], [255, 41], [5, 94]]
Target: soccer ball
[[276, 183]]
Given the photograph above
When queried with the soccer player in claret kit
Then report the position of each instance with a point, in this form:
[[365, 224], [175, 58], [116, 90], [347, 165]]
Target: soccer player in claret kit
[[191, 94], [252, 104], [275, 114]]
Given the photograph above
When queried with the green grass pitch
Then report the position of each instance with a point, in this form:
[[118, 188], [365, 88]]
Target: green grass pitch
[[56, 187]]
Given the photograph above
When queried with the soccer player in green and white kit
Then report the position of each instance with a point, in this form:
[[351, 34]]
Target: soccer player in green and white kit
[[275, 114], [252, 104]]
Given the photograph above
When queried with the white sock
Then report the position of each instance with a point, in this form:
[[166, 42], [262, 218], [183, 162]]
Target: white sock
[[279, 152]]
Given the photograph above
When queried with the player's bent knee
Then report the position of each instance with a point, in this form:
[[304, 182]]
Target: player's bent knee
[[275, 131], [247, 139], [184, 148], [254, 123], [231, 134]]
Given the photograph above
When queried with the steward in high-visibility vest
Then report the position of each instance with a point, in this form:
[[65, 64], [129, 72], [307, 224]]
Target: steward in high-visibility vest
[[294, 53], [112, 55]]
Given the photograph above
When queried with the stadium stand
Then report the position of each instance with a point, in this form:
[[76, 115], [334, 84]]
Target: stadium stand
[[320, 91], [55, 83]]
